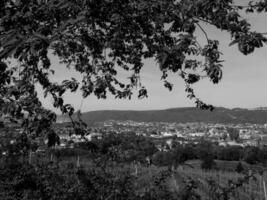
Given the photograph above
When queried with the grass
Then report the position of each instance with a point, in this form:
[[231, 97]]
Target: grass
[[252, 190]]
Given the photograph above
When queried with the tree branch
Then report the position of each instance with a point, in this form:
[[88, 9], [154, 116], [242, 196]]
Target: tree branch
[[205, 33]]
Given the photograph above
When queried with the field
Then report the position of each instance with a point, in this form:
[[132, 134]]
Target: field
[[253, 189], [222, 176]]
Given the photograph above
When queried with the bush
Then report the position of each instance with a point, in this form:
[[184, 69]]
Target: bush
[[21, 180], [208, 162], [67, 152], [162, 158], [239, 168]]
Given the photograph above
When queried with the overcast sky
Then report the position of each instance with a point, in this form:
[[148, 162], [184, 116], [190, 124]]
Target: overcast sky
[[243, 85]]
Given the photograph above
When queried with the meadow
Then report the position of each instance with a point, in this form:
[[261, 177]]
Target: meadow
[[222, 178]]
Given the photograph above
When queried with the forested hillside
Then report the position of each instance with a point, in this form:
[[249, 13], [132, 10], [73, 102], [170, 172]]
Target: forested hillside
[[219, 115]]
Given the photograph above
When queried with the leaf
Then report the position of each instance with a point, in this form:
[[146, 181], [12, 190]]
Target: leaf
[[192, 78], [161, 58], [234, 42], [168, 85]]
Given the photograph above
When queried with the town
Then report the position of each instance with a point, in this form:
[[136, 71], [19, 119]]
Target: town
[[222, 134]]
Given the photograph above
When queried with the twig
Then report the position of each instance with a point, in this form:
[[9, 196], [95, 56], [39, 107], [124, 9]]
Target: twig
[[204, 20], [205, 33], [239, 6], [72, 121]]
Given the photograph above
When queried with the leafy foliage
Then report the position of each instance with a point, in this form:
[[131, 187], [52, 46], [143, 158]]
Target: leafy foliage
[[101, 38], [126, 147], [239, 168], [233, 133], [227, 192], [21, 180]]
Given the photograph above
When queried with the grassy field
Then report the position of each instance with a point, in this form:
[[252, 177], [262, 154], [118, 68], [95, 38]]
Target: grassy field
[[252, 190], [223, 165]]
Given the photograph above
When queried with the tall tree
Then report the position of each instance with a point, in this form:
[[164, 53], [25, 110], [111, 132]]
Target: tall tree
[[233, 133], [101, 38]]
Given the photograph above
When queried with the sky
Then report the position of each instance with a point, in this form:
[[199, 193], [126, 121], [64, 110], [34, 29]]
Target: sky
[[243, 83]]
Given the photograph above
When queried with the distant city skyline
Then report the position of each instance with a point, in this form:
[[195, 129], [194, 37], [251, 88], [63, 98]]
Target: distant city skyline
[[243, 83]]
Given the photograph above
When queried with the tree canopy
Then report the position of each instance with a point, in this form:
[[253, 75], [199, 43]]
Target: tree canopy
[[99, 39]]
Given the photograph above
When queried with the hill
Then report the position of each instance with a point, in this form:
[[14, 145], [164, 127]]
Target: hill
[[183, 115]]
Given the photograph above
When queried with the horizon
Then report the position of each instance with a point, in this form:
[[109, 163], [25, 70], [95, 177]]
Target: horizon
[[170, 108]]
